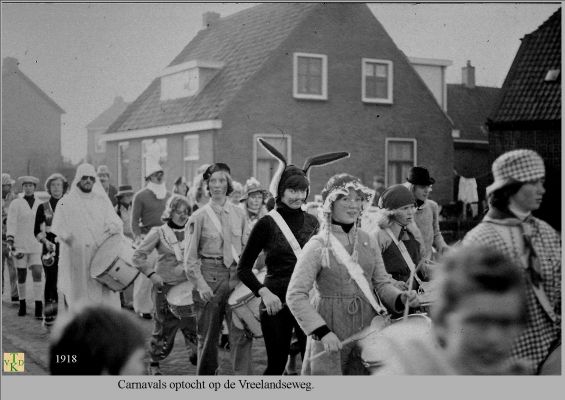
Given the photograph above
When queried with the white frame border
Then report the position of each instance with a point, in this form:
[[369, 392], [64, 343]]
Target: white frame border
[[295, 94], [364, 98]]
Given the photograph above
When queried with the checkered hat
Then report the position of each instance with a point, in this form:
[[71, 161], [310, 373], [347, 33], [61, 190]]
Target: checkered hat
[[516, 166]]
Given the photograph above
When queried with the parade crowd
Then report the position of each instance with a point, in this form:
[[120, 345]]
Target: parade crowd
[[358, 282]]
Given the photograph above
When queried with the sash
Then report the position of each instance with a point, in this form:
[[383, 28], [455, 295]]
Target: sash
[[405, 255], [170, 240], [356, 272], [218, 226], [283, 226]]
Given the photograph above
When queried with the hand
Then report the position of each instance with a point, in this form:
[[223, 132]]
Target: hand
[[331, 342], [205, 292], [399, 284], [272, 302], [50, 246], [157, 280], [411, 297]]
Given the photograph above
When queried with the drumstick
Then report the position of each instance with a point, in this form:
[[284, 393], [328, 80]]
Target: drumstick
[[410, 282]]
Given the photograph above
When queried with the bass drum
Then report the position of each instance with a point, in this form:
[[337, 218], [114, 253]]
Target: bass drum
[[112, 263]]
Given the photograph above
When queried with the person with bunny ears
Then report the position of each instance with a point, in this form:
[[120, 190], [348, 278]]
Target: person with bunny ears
[[281, 234]]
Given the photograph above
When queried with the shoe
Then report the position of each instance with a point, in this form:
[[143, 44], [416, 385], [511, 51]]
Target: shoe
[[15, 299], [193, 358], [145, 315], [154, 369], [38, 310], [23, 308]]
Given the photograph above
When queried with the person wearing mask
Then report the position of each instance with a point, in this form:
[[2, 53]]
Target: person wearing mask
[[280, 235], [218, 232], [25, 247], [56, 185], [7, 260], [510, 228]]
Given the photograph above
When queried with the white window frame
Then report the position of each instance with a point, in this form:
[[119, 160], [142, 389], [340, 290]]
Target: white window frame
[[266, 136], [120, 144], [184, 140], [393, 139], [295, 93], [390, 80]]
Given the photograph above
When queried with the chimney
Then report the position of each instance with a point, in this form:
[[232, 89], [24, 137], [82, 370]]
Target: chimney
[[10, 65], [209, 19], [468, 75]]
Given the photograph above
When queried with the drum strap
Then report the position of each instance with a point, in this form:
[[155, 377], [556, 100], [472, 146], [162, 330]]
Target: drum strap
[[405, 255], [170, 240], [289, 236], [356, 272], [218, 225], [48, 211]]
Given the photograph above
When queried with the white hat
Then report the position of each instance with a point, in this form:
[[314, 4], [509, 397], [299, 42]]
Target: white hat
[[516, 166], [152, 166]]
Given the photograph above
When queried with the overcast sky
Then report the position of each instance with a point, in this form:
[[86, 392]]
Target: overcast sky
[[83, 55]]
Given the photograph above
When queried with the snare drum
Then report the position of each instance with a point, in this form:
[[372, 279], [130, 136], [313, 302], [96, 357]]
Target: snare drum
[[377, 351], [112, 263], [179, 299], [427, 295], [245, 305]]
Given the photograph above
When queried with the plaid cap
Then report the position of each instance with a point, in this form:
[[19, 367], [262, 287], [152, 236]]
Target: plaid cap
[[516, 166]]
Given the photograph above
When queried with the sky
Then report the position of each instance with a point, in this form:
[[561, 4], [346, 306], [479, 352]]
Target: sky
[[83, 55]]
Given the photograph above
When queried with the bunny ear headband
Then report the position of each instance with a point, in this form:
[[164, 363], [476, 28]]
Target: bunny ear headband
[[318, 160]]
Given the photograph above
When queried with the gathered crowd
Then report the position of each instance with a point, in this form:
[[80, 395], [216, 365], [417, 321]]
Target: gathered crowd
[[358, 282]]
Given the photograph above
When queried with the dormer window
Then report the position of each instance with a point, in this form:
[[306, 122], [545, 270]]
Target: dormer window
[[187, 79]]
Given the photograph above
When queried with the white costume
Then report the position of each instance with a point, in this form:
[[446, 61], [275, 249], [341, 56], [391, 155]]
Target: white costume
[[82, 222]]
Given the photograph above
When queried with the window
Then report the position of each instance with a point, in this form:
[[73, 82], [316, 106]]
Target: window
[[99, 145], [310, 78], [156, 149], [400, 157], [377, 81], [123, 163], [265, 165], [191, 155]]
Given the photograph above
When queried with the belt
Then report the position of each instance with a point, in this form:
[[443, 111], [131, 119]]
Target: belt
[[212, 258]]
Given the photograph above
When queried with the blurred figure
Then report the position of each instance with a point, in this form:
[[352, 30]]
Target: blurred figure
[[7, 260], [252, 201], [427, 211], [198, 192], [25, 247], [235, 196], [96, 340], [181, 186], [378, 187], [123, 208], [103, 173], [56, 185], [509, 227], [481, 309]]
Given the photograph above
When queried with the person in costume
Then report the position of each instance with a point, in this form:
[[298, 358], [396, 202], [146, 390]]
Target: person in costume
[[56, 185], [25, 247], [280, 235], [84, 219], [342, 264], [7, 259], [169, 242], [217, 233], [510, 227], [103, 173]]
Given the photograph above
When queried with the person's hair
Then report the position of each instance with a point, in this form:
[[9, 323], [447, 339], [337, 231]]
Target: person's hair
[[500, 198], [102, 339], [471, 270], [173, 203], [50, 181]]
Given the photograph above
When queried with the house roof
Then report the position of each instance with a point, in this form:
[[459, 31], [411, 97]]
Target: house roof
[[109, 115], [242, 41], [469, 109], [526, 96]]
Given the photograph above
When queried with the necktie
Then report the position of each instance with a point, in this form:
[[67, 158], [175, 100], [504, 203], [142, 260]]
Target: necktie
[[226, 233], [533, 268]]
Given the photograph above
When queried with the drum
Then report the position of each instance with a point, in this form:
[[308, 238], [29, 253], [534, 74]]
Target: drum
[[179, 298], [428, 295], [112, 265], [245, 305], [377, 349], [552, 364]]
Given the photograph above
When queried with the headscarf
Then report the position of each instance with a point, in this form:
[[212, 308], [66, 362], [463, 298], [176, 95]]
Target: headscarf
[[86, 169]]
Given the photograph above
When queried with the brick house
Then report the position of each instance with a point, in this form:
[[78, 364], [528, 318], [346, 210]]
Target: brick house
[[528, 114], [310, 77], [31, 126]]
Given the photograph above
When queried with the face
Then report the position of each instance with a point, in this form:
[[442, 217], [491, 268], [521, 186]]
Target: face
[[378, 184], [346, 209], [56, 188], [235, 196], [404, 215], [28, 188], [180, 215], [6, 189], [529, 197], [157, 177], [478, 334], [182, 188], [294, 198], [422, 192], [104, 180], [218, 185], [86, 183], [126, 199], [134, 365], [255, 200]]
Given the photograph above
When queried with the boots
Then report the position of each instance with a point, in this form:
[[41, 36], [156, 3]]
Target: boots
[[23, 309], [38, 310]]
